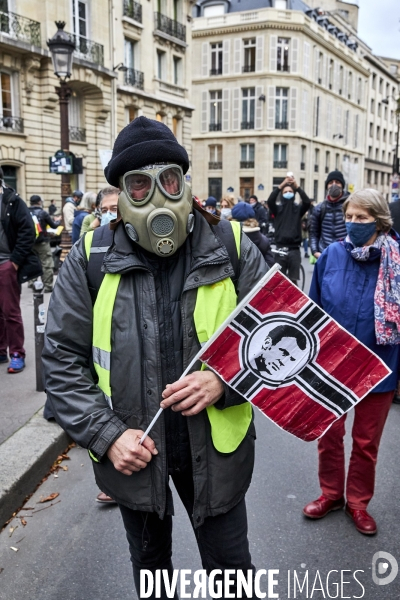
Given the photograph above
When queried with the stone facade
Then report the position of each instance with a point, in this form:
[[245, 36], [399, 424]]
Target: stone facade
[[283, 95], [104, 97]]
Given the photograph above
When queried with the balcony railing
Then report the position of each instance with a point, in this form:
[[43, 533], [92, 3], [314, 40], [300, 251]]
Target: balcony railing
[[280, 164], [77, 134], [214, 165], [302, 166], [248, 68], [247, 164], [133, 10], [316, 168], [216, 71], [215, 127], [12, 124], [281, 125], [247, 125], [87, 49], [20, 28], [169, 26], [135, 78], [284, 68]]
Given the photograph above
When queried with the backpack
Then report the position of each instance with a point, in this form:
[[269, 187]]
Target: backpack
[[40, 234], [103, 238]]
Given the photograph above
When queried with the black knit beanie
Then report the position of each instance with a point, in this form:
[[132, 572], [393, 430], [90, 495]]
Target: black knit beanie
[[338, 175], [144, 142]]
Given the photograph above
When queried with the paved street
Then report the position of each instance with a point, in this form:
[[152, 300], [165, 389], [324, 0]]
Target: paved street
[[76, 549]]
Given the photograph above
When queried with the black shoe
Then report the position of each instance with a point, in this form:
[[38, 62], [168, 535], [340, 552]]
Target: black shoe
[[396, 400], [306, 255]]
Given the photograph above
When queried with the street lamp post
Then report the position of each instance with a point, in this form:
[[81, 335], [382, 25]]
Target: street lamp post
[[61, 47]]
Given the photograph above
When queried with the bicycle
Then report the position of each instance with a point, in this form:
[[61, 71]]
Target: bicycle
[[282, 252]]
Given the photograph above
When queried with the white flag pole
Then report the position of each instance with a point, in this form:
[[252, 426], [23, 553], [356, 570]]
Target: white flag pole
[[274, 269]]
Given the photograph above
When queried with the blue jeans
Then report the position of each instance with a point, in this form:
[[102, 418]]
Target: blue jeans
[[222, 540]]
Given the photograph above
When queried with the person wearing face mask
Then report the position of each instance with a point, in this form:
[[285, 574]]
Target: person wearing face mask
[[211, 206], [152, 287], [327, 224], [287, 217], [357, 282], [227, 203], [260, 213]]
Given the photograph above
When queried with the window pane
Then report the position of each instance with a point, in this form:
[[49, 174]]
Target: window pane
[[243, 152], [251, 152], [6, 94], [276, 152]]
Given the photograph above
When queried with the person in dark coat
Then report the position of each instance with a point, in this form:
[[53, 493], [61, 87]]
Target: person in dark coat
[[327, 223], [244, 213], [394, 208], [357, 282], [260, 212], [17, 235], [42, 243], [287, 221]]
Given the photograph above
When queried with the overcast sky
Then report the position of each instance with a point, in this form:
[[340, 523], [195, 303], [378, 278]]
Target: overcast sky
[[379, 26]]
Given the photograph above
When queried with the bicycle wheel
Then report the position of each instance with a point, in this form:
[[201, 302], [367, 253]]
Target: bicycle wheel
[[302, 280]]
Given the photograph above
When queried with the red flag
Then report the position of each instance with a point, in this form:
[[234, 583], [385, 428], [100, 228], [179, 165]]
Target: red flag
[[291, 360]]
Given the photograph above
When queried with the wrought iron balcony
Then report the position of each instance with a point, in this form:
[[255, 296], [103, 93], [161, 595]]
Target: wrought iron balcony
[[87, 49], [248, 68], [281, 125], [215, 127], [302, 166], [247, 164], [12, 124], [133, 10], [169, 26], [214, 165], [316, 168], [247, 125], [135, 78], [280, 164], [77, 134], [284, 68], [20, 28], [216, 71]]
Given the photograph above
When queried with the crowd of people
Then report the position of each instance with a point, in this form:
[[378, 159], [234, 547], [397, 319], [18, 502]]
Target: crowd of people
[[145, 270]]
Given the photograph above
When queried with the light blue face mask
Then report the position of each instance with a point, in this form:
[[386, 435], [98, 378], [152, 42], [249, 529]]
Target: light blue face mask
[[107, 217], [288, 195]]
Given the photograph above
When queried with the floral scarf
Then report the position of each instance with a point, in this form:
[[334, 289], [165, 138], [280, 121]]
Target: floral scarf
[[387, 291]]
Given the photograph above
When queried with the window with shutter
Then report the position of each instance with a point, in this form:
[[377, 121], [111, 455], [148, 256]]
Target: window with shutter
[[272, 53], [304, 112], [329, 114], [236, 109], [225, 109], [271, 107], [204, 59], [306, 60], [204, 111], [237, 56], [293, 109], [226, 57], [259, 53], [259, 108], [295, 55]]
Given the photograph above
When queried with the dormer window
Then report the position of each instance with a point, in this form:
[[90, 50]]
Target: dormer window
[[214, 10]]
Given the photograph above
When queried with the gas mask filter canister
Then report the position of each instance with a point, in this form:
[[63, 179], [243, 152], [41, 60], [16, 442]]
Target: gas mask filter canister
[[156, 208]]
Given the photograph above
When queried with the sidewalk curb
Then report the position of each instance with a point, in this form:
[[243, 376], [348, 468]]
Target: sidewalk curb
[[25, 458]]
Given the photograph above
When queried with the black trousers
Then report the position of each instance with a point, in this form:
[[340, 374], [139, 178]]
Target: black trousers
[[290, 264], [222, 540]]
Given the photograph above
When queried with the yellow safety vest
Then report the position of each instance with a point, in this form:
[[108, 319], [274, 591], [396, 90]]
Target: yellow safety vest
[[214, 304]]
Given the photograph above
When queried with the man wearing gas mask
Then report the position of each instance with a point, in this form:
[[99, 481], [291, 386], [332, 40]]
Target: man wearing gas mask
[[152, 287], [327, 221]]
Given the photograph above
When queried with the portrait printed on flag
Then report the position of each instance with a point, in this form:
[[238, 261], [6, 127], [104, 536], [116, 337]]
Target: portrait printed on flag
[[291, 360]]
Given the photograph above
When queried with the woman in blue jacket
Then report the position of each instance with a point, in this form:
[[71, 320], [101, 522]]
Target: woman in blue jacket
[[357, 282]]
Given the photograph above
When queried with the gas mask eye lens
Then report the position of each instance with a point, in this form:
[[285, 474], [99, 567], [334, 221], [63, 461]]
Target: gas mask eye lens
[[171, 181], [138, 185]]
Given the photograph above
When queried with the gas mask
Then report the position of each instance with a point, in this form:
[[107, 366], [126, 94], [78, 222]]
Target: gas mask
[[156, 208]]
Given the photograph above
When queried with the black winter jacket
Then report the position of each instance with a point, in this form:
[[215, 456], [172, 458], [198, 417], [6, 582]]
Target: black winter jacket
[[79, 406], [262, 243], [260, 212], [287, 218], [18, 226], [44, 219], [331, 228]]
